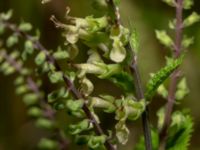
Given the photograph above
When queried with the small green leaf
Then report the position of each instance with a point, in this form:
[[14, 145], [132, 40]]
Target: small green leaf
[[28, 47], [161, 76], [87, 86], [187, 4], [19, 80], [30, 99], [105, 102], [162, 91], [182, 89], [187, 41], [12, 40], [74, 105], [60, 54], [40, 58], [96, 141], [47, 144], [21, 89], [190, 20], [55, 77], [25, 27], [164, 38], [34, 112], [170, 2], [6, 16], [44, 123], [80, 127], [57, 94]]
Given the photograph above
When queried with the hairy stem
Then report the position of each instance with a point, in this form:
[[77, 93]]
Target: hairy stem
[[174, 77], [69, 85], [139, 91]]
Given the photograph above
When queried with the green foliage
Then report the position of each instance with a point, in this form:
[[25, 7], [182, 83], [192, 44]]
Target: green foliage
[[190, 20], [161, 76], [80, 127], [73, 90], [47, 144], [44, 123], [155, 141], [12, 40], [180, 131], [134, 41], [40, 58], [25, 27], [164, 38]]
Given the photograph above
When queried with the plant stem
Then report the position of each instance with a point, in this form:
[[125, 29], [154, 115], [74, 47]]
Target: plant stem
[[48, 112], [69, 85], [174, 77], [140, 95], [139, 91]]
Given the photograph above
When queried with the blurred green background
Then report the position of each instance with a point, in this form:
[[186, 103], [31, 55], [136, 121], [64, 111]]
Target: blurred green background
[[17, 132]]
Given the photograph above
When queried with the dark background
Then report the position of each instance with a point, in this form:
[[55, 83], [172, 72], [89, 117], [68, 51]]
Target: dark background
[[17, 132]]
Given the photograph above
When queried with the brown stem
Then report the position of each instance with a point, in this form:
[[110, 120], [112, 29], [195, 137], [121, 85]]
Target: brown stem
[[174, 77], [140, 95], [69, 85], [115, 9]]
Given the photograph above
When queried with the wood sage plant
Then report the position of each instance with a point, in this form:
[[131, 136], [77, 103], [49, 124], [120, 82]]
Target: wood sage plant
[[112, 51]]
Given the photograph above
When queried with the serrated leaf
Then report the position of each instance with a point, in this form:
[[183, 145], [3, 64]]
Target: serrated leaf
[[159, 77], [180, 131]]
